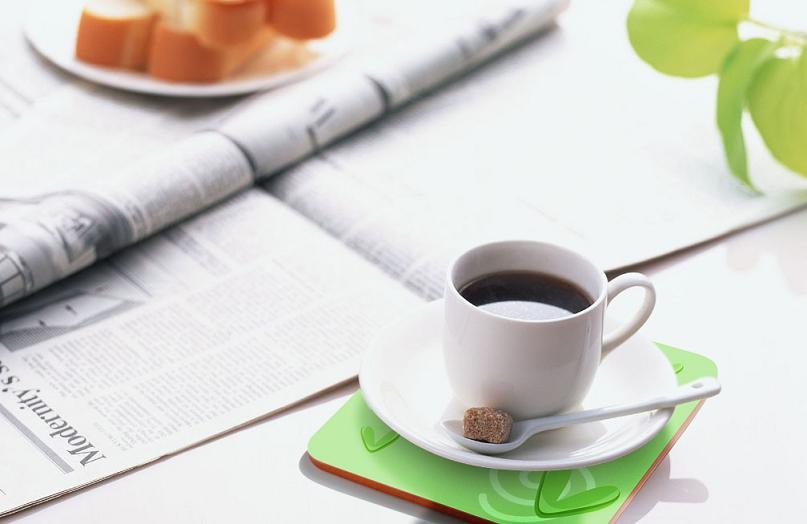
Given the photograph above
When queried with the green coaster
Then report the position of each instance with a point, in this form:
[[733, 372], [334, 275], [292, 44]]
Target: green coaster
[[356, 445]]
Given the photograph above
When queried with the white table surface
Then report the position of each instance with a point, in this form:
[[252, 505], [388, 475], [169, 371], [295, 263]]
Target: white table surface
[[741, 301]]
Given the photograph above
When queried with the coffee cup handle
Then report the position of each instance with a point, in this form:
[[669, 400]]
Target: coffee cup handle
[[617, 286]]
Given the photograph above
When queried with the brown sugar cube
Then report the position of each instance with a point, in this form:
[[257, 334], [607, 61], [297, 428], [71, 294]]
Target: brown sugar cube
[[487, 425]]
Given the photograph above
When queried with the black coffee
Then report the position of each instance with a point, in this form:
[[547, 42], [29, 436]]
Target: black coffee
[[525, 295]]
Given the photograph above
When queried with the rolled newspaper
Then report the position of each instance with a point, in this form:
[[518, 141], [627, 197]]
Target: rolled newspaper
[[45, 239]]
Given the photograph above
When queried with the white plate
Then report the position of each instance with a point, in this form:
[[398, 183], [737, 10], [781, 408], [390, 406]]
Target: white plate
[[51, 27], [403, 381]]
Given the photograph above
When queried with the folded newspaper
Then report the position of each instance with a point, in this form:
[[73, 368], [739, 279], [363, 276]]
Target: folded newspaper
[[200, 301]]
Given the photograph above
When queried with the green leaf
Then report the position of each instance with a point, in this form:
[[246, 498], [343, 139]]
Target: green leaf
[[777, 101], [736, 75], [687, 38]]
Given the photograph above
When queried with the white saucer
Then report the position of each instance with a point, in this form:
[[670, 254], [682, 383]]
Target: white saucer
[[51, 28], [403, 381]]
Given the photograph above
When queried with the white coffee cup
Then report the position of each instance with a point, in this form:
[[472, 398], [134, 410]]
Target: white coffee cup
[[531, 368]]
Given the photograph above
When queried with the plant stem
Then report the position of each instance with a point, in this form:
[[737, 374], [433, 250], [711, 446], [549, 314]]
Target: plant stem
[[765, 25], [797, 37]]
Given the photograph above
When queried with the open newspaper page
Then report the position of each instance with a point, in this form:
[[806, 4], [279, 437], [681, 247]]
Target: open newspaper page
[[95, 170], [516, 150], [205, 327], [24, 76], [241, 311]]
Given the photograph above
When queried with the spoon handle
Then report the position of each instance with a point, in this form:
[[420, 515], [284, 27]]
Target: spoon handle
[[695, 390]]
